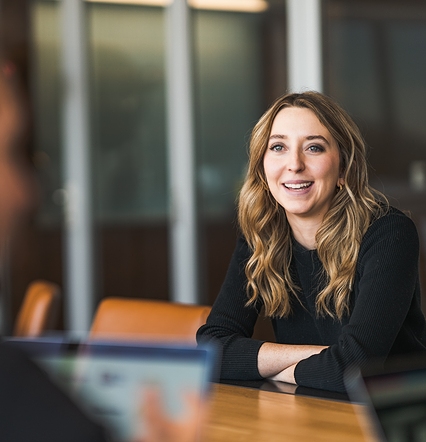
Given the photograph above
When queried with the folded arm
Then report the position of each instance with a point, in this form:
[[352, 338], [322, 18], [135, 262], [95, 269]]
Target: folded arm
[[278, 361]]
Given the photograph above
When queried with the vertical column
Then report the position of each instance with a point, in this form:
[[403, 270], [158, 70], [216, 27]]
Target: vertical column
[[78, 217], [304, 45], [180, 140]]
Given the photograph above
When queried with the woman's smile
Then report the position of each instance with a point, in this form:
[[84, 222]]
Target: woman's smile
[[298, 185]]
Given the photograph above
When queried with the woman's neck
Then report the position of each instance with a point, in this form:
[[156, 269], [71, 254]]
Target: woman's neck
[[305, 231]]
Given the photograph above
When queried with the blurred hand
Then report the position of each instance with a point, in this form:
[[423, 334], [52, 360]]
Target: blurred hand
[[159, 427]]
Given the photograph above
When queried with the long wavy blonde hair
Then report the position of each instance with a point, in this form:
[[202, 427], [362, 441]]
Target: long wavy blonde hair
[[264, 224]]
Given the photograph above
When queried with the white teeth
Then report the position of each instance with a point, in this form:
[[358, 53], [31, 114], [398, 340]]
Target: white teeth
[[298, 186]]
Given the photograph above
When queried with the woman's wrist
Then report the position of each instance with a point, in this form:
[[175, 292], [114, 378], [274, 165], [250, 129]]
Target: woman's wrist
[[274, 358], [286, 375]]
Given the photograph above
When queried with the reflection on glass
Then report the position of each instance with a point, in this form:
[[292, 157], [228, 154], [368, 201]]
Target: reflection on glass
[[126, 71], [128, 112], [376, 69], [46, 93], [127, 128], [229, 97]]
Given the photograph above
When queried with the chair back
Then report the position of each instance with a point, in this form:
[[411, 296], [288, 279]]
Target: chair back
[[126, 318], [39, 309]]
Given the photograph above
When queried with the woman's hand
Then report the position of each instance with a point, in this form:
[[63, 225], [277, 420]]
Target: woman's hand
[[159, 427]]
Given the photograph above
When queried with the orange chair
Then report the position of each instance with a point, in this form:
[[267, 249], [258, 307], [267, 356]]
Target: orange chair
[[39, 309], [126, 318]]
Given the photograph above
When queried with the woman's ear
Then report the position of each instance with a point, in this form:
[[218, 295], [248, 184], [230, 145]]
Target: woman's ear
[[341, 179]]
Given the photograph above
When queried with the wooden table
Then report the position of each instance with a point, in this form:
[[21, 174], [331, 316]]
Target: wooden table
[[250, 415]]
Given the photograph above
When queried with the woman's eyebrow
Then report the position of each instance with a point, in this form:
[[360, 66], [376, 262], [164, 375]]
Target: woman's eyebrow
[[317, 137], [309, 137]]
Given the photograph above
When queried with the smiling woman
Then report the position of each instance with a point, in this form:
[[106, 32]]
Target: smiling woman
[[333, 265]]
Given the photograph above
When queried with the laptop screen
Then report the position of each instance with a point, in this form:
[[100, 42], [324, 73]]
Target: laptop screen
[[107, 379]]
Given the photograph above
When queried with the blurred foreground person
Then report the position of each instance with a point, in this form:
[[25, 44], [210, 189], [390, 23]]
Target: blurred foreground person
[[31, 407]]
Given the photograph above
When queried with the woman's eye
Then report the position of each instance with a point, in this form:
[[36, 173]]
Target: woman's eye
[[316, 148], [276, 148]]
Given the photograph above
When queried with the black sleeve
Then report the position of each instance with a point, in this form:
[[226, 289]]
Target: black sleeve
[[33, 409], [387, 275], [230, 323]]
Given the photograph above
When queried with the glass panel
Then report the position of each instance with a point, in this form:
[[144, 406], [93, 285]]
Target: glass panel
[[46, 95], [126, 47], [228, 102], [128, 112], [126, 71], [129, 149], [376, 69], [239, 69], [231, 49]]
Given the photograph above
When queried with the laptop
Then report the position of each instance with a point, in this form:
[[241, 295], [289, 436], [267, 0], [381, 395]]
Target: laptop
[[394, 399], [107, 379]]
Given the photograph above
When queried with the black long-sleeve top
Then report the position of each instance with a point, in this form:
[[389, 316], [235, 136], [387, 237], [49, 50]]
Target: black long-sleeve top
[[385, 316]]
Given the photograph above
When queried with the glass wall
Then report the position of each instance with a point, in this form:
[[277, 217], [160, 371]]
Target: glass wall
[[377, 69], [228, 91], [375, 66], [46, 92], [126, 62], [229, 98], [128, 112]]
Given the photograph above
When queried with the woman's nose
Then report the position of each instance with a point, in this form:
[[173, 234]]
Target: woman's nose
[[295, 161]]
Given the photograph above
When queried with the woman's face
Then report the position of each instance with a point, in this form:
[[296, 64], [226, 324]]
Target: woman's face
[[16, 183], [302, 164]]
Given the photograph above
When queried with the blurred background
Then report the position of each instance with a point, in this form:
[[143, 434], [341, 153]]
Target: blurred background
[[372, 60]]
